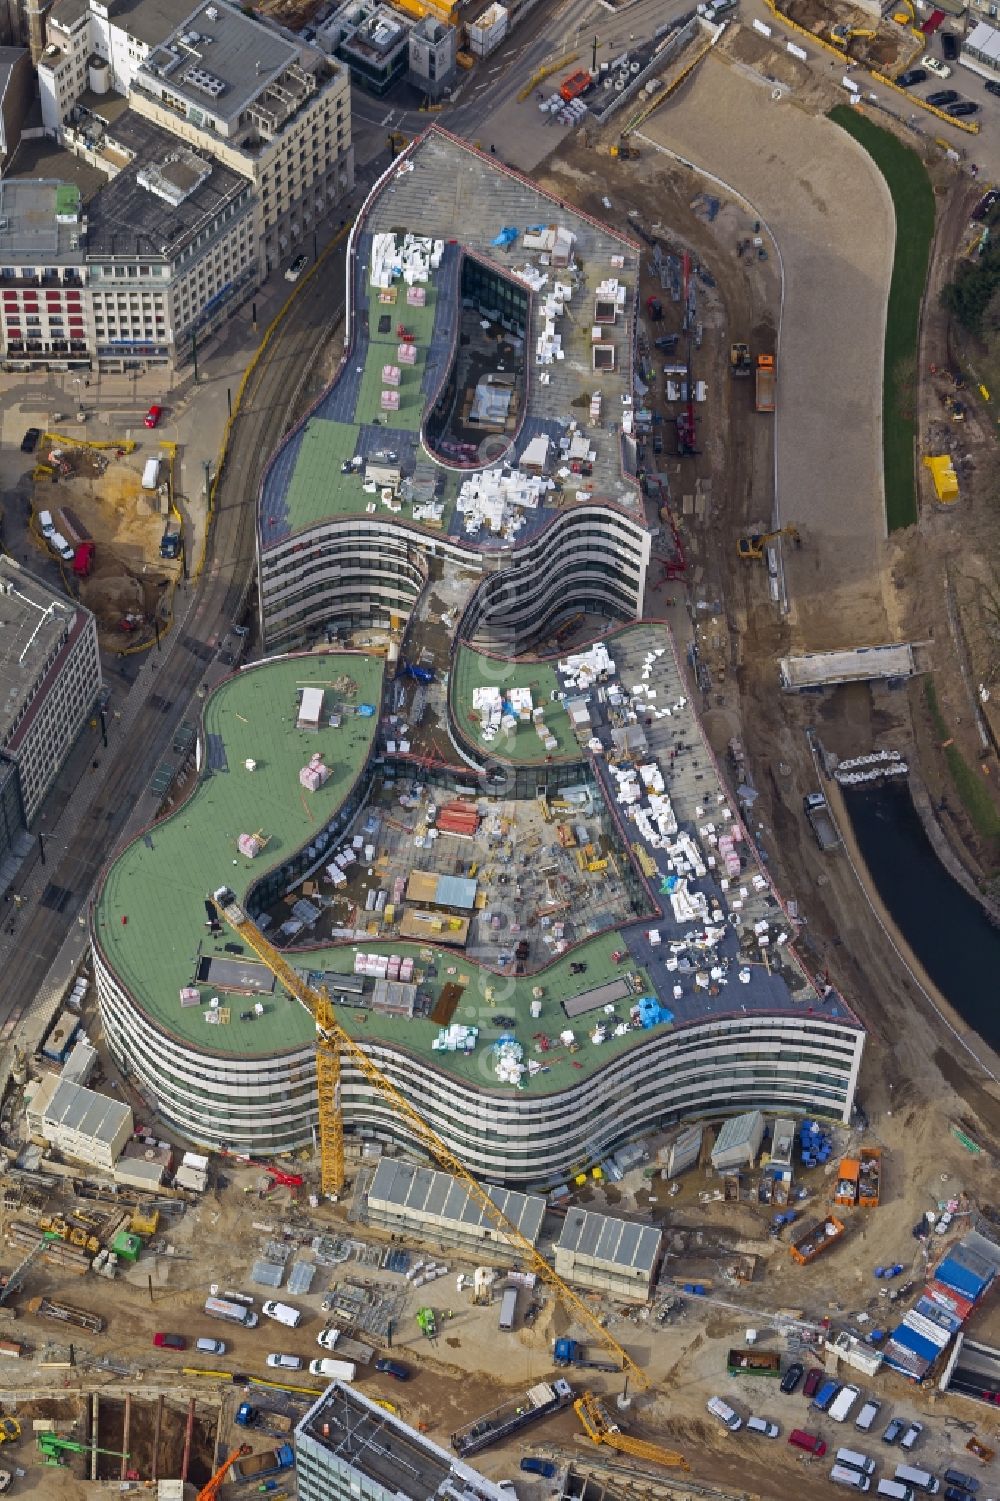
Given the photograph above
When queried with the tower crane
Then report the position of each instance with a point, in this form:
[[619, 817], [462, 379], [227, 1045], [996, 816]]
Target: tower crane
[[602, 1430], [752, 547], [210, 1491], [333, 1041]]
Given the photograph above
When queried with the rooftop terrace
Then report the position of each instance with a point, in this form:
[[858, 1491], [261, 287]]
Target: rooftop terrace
[[159, 883], [150, 918], [445, 190], [473, 669]]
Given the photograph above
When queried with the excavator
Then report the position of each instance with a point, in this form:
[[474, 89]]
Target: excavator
[[845, 34], [752, 547], [210, 1491], [602, 1430]]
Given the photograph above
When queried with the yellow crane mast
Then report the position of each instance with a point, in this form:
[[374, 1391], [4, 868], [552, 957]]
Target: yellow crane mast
[[602, 1430], [333, 1041]]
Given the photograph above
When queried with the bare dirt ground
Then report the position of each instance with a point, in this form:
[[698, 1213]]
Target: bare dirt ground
[[125, 522]]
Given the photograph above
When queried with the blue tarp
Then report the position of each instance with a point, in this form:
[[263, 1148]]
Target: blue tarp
[[961, 1279], [651, 1013], [506, 237]]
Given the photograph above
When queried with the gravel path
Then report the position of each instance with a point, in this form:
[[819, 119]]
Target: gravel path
[[830, 212]]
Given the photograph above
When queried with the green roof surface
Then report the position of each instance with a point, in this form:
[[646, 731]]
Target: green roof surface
[[473, 669], [150, 917]]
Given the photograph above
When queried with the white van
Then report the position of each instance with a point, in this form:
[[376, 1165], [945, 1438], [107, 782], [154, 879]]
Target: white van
[[284, 1313], [856, 1461], [151, 474], [841, 1405], [921, 1480], [59, 545], [45, 524], [724, 1413], [895, 1490], [853, 1479]]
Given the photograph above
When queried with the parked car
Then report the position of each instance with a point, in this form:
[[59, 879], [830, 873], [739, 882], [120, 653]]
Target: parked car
[[911, 1435], [297, 267], [949, 46], [912, 76], [394, 1368], [943, 97], [170, 1342], [935, 66], [792, 1377], [59, 545], [279, 1362], [993, 88], [543, 1467], [807, 1441], [865, 1420], [152, 418], [211, 1346], [963, 107], [46, 525], [813, 1379], [892, 1433], [763, 1426], [30, 440]]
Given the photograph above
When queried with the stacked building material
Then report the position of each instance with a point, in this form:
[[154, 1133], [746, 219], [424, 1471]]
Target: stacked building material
[[460, 819], [315, 773], [67, 1258]]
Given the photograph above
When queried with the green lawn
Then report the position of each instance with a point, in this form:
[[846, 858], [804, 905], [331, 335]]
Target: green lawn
[[913, 201], [969, 784]]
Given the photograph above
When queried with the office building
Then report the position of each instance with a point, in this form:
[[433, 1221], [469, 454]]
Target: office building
[[50, 676]]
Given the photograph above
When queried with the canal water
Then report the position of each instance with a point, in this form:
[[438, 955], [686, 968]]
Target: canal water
[[946, 928]]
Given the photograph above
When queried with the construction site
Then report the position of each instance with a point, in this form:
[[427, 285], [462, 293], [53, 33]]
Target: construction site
[[108, 505], [563, 920]]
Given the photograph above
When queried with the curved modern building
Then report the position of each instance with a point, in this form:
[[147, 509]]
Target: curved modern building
[[466, 487]]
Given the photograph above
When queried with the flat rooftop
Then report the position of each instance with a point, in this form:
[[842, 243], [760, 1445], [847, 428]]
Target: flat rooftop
[[34, 621], [149, 21], [378, 1446], [827, 669], [474, 669], [160, 881], [217, 60], [39, 222], [150, 917], [163, 199], [444, 189]]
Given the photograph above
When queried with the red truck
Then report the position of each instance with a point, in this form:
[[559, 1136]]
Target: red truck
[[576, 84]]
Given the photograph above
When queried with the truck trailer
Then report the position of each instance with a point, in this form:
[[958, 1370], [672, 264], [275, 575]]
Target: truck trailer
[[511, 1417], [257, 1466], [567, 1352], [824, 829], [766, 377]]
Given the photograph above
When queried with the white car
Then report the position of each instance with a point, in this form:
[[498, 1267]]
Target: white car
[[297, 267], [45, 524], [59, 545], [763, 1426], [284, 1362], [327, 1338], [936, 66]]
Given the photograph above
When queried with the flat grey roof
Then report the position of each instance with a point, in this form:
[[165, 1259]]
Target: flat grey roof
[[163, 199], [34, 619], [827, 668], [239, 52], [149, 21], [76, 1108], [381, 1447], [616, 1243], [30, 228], [403, 1186]]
